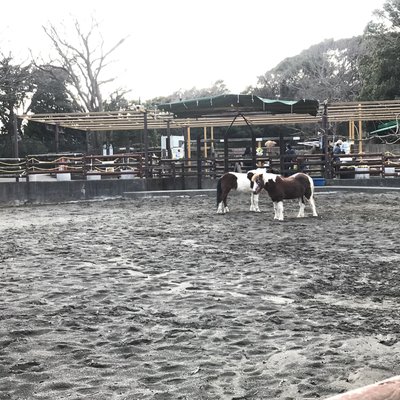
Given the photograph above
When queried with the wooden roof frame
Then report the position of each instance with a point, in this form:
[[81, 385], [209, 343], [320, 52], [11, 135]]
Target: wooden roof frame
[[143, 119]]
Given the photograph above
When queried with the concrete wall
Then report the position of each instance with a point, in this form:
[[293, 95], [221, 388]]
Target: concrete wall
[[44, 192]]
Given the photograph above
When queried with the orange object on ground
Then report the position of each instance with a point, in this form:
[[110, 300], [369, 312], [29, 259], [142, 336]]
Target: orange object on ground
[[389, 389]]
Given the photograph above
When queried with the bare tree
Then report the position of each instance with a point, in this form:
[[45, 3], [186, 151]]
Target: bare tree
[[84, 59]]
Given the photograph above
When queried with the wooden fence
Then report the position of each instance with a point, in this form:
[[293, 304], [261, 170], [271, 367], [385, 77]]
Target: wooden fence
[[69, 166]]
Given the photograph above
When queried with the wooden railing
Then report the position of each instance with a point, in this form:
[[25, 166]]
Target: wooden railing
[[133, 166], [12, 168], [126, 165]]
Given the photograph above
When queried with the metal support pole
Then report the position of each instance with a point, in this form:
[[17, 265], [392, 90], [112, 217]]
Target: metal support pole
[[146, 146], [226, 152], [212, 148], [253, 141], [57, 138], [226, 147], [205, 142], [87, 141], [281, 153], [253, 148], [360, 134], [189, 143], [185, 138], [327, 172], [168, 141], [15, 137], [198, 162]]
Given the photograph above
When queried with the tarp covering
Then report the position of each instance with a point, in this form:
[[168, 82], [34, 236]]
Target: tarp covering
[[228, 103], [387, 126]]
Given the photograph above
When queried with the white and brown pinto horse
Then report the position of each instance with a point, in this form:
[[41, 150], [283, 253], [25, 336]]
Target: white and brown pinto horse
[[297, 186], [240, 182]]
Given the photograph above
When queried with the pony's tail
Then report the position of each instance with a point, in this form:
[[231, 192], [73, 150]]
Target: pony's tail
[[311, 185], [219, 192]]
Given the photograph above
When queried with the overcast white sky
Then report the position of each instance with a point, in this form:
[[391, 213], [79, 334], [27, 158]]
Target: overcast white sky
[[180, 44]]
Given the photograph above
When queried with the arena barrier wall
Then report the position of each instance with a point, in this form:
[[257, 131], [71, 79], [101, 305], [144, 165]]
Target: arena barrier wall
[[50, 192], [44, 192]]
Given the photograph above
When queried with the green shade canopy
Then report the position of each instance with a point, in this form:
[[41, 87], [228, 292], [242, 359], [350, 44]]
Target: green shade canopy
[[238, 103], [387, 126]]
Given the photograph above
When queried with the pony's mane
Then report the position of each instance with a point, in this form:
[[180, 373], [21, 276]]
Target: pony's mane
[[265, 175]]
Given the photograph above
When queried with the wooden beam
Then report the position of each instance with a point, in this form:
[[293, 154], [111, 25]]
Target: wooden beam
[[134, 120]]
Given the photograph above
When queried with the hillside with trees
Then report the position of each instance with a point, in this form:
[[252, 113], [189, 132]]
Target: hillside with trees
[[328, 70], [380, 62]]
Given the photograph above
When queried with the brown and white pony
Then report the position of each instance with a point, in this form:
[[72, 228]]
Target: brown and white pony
[[297, 186], [240, 182]]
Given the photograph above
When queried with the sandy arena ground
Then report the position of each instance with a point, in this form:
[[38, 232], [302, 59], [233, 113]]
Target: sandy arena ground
[[164, 299]]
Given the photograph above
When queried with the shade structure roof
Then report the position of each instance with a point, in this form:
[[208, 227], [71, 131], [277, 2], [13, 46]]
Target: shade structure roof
[[383, 128], [243, 103], [387, 110]]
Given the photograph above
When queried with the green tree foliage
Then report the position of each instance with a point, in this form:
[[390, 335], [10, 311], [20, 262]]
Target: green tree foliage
[[118, 102], [15, 85], [50, 96], [216, 89], [123, 139], [327, 70], [380, 63]]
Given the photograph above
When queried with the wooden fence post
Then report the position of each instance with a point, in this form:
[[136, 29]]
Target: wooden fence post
[[198, 162]]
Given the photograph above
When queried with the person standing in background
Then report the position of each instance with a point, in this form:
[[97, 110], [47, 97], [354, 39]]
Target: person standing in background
[[290, 160], [345, 147]]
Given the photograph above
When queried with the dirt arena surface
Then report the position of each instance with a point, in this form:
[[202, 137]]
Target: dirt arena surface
[[164, 299]]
